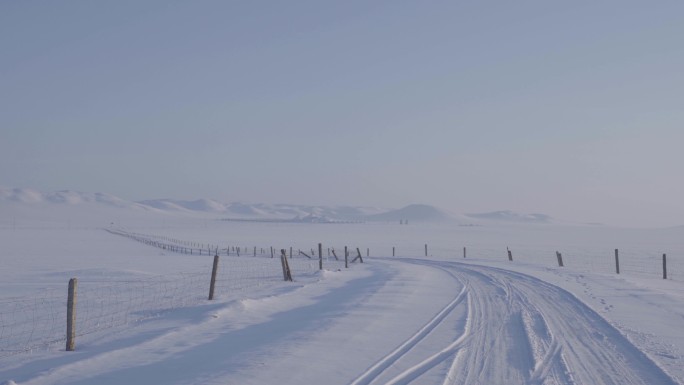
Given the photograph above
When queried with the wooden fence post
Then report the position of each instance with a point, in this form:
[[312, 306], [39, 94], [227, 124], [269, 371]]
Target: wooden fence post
[[617, 262], [334, 254], [214, 270], [320, 256], [393, 251], [510, 254], [287, 266], [664, 266], [346, 257], [290, 252], [271, 251], [559, 256], [358, 257], [287, 274], [71, 315], [426, 249], [367, 252], [255, 251], [464, 252], [282, 264]]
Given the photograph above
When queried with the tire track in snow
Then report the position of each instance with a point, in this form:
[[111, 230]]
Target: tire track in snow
[[379, 367], [521, 330], [419, 369]]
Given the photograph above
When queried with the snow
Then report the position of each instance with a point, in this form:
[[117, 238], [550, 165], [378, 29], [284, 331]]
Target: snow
[[510, 216], [440, 319]]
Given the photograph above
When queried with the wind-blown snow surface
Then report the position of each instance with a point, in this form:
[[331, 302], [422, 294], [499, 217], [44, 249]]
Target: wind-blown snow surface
[[441, 319]]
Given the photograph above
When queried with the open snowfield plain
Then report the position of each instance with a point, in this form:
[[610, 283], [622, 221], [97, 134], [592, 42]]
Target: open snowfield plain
[[143, 316]]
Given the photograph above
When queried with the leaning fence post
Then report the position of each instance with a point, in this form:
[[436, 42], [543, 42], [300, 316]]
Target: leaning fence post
[[287, 267], [214, 270], [510, 254], [71, 315], [559, 256], [617, 262], [358, 252], [287, 274], [664, 266], [282, 264], [320, 256]]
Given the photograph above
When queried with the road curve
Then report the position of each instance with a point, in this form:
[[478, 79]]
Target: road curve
[[521, 330]]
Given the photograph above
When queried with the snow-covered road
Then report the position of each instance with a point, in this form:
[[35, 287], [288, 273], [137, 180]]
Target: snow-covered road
[[521, 330], [390, 321]]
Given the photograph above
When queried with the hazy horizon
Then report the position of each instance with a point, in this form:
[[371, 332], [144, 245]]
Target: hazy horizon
[[571, 110]]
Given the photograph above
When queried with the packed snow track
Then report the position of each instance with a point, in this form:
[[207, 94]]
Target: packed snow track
[[519, 330]]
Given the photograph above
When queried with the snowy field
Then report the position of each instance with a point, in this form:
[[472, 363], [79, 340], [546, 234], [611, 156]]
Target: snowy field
[[442, 319]]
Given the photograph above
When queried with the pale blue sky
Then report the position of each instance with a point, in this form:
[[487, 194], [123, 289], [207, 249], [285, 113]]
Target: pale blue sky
[[573, 109]]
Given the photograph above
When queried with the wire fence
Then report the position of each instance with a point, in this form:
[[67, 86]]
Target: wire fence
[[38, 322], [638, 262]]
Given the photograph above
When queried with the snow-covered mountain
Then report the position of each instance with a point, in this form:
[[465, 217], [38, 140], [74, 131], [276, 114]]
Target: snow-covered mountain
[[24, 202], [510, 216], [26, 196], [416, 212], [263, 211], [202, 205], [69, 208]]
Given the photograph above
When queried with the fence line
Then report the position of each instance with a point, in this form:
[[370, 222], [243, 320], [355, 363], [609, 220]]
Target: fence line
[[39, 322], [632, 262]]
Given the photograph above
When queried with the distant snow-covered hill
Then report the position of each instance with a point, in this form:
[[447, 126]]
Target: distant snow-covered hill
[[416, 212], [26, 196], [29, 203], [510, 216], [261, 211], [24, 206], [203, 205]]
